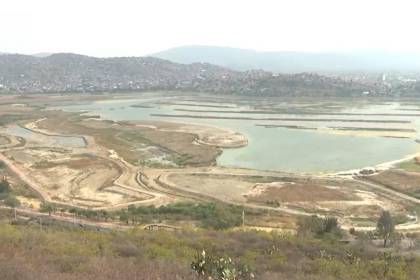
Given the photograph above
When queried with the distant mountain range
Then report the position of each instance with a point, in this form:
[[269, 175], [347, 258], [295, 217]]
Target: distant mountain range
[[41, 54], [66, 72], [295, 62]]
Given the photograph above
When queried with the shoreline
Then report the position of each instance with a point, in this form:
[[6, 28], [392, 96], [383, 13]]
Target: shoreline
[[187, 127], [378, 167], [279, 119]]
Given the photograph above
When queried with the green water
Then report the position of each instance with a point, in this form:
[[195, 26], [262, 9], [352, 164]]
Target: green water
[[282, 149]]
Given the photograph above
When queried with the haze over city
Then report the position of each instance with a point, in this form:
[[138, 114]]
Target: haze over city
[[138, 28]]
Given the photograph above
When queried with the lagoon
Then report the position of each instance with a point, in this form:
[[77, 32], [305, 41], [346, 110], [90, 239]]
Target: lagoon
[[280, 149]]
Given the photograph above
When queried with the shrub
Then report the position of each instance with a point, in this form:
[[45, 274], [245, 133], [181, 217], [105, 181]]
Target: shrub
[[47, 207], [212, 266], [12, 201], [221, 217], [69, 264], [211, 215], [319, 227]]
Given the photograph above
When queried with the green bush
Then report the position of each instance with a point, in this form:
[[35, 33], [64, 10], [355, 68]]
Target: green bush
[[4, 186], [222, 217], [327, 227], [211, 215], [47, 207], [212, 266], [11, 201]]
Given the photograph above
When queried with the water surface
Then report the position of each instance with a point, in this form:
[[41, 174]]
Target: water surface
[[53, 140]]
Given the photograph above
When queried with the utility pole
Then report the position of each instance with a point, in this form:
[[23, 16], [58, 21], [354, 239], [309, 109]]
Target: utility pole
[[243, 217]]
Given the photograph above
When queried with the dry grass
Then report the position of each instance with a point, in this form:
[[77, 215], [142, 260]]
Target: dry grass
[[28, 253], [4, 140], [411, 165], [129, 140], [77, 162], [224, 187], [399, 180], [299, 192]]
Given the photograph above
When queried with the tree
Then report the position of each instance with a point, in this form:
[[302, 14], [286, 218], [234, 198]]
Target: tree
[[104, 215], [330, 224], [219, 216], [47, 207], [73, 211], [124, 217], [12, 202], [312, 225], [4, 186], [319, 226], [385, 226]]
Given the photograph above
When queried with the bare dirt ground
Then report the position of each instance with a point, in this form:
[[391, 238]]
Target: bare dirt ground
[[351, 201], [4, 140], [82, 176], [399, 180], [381, 132], [297, 192]]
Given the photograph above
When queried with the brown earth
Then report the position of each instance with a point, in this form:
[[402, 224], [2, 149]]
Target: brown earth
[[399, 180], [4, 140], [134, 143], [298, 192]]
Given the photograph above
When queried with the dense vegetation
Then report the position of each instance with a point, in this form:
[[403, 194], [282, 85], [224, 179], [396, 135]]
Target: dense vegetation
[[206, 215], [319, 227], [210, 215], [29, 252]]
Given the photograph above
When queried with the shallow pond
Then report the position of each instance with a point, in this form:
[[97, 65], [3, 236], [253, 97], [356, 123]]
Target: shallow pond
[[52, 140]]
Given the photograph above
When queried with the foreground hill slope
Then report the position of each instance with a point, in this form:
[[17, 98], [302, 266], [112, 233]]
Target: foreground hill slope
[[30, 252], [66, 72]]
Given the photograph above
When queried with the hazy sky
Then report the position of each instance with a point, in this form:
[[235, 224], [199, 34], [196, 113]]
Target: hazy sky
[[136, 27]]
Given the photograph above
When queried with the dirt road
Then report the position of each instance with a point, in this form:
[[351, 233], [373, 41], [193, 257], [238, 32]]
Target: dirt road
[[70, 220], [389, 191]]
